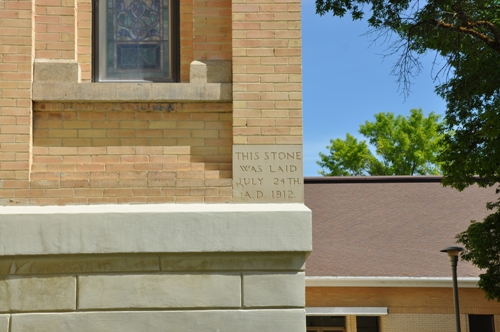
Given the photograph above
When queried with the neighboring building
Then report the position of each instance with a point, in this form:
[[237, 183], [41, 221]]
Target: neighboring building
[[133, 133], [376, 264]]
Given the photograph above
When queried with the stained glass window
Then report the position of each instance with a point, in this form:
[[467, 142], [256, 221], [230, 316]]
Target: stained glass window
[[134, 40]]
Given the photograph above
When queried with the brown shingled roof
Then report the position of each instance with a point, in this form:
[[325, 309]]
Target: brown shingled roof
[[389, 226]]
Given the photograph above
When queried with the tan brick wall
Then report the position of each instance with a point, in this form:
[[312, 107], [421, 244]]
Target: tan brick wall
[[267, 92], [204, 126], [410, 309], [419, 323], [55, 27], [69, 137], [350, 324], [497, 323], [87, 153], [108, 153], [186, 9], [402, 300], [16, 57], [212, 30], [84, 38]]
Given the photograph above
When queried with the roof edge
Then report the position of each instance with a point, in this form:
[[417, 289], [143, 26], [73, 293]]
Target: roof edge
[[346, 311], [373, 179], [433, 282]]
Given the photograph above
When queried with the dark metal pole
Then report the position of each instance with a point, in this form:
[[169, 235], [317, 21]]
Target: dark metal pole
[[453, 261], [453, 256]]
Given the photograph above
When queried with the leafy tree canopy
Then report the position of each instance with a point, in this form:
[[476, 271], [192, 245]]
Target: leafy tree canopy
[[466, 33], [482, 245], [403, 145]]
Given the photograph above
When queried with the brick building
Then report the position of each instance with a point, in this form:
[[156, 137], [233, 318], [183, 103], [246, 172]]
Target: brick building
[[376, 264], [133, 133]]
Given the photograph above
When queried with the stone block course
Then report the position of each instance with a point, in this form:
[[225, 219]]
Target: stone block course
[[164, 321], [37, 294], [4, 323], [273, 289], [159, 228], [232, 262], [79, 264], [159, 291]]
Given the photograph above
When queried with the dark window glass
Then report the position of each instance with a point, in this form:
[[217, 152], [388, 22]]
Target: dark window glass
[[330, 321], [367, 323], [481, 323]]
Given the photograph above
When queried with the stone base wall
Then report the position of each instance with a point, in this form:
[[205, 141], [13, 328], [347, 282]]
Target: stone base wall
[[153, 292], [197, 267]]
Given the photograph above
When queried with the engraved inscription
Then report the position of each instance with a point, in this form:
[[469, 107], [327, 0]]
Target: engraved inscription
[[268, 173]]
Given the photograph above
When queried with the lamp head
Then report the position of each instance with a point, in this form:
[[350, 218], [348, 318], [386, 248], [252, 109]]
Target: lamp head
[[453, 251]]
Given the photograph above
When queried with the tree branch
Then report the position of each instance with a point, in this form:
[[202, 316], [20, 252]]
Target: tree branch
[[492, 27], [492, 43]]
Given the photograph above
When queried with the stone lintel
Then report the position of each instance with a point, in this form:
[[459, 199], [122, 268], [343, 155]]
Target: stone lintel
[[162, 228], [132, 92]]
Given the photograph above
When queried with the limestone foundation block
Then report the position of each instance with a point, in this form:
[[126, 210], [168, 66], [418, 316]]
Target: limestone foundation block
[[4, 323], [274, 289], [159, 291], [291, 320], [49, 70], [160, 228], [35, 294]]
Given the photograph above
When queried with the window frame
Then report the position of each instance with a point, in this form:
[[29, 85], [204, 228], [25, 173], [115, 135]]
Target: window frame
[[174, 30]]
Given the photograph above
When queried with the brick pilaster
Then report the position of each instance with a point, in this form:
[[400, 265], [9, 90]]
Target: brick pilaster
[[16, 58]]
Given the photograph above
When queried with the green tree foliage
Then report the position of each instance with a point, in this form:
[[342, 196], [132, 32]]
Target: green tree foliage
[[347, 157], [482, 245], [404, 146], [466, 33]]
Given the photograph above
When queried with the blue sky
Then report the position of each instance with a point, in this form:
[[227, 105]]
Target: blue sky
[[346, 81]]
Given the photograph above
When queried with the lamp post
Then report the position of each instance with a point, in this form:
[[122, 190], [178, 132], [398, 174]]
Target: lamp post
[[453, 256]]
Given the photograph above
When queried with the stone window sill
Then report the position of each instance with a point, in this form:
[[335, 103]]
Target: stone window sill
[[132, 92], [59, 80]]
